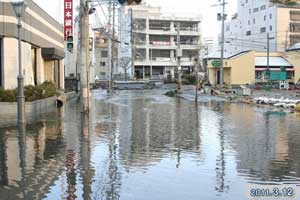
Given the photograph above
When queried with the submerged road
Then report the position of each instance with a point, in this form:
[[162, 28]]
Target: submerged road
[[142, 145]]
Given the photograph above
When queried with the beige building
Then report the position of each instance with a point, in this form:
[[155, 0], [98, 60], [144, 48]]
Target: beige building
[[248, 67], [42, 47]]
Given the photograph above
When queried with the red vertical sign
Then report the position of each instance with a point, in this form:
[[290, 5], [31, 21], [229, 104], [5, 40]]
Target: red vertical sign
[[68, 18]]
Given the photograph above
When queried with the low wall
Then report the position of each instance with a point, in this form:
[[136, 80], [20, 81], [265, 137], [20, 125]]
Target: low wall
[[8, 110]]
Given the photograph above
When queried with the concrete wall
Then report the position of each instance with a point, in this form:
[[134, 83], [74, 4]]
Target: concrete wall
[[32, 109], [62, 74], [11, 63], [294, 59], [40, 67], [49, 70], [243, 69], [39, 28], [44, 68]]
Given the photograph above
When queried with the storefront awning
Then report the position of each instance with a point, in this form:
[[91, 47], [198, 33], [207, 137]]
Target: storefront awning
[[52, 54], [273, 61], [275, 69]]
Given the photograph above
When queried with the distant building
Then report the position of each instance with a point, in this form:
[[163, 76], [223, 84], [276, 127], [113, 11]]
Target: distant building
[[154, 38], [42, 47], [102, 62], [248, 28]]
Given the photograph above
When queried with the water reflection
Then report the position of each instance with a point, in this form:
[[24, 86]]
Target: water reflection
[[28, 157], [22, 156], [143, 145]]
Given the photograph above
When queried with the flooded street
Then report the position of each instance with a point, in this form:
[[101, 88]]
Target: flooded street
[[142, 145]]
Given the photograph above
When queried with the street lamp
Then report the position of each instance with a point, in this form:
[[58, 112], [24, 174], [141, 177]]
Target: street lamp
[[19, 7]]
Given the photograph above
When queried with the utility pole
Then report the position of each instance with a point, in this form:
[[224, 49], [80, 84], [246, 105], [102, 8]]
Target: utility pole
[[132, 43], [207, 70], [178, 58], [268, 51], [113, 46], [84, 54], [196, 73], [21, 96], [19, 9], [109, 47], [268, 55], [222, 45]]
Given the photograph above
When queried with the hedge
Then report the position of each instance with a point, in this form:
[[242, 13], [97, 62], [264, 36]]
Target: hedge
[[32, 93]]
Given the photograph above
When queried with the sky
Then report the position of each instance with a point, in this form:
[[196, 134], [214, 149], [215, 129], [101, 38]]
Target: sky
[[210, 26]]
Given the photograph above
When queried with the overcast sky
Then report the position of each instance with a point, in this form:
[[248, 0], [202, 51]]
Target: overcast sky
[[210, 26]]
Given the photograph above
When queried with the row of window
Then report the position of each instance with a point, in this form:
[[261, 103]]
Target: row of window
[[263, 7], [259, 75], [262, 30], [265, 18], [253, 22]]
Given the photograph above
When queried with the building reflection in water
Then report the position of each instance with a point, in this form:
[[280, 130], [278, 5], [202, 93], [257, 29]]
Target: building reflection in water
[[3, 160], [22, 157], [266, 145], [30, 162], [136, 141]]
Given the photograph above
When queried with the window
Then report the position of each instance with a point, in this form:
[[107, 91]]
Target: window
[[246, 1], [102, 64], [248, 22], [249, 10], [104, 54], [271, 28], [289, 75], [258, 75], [294, 39], [263, 30], [263, 7], [265, 18], [295, 15], [227, 28], [295, 27], [253, 21], [248, 33], [270, 16], [255, 10]]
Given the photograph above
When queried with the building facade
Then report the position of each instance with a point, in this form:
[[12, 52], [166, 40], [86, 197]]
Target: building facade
[[249, 67], [42, 47], [101, 54], [154, 38], [248, 28]]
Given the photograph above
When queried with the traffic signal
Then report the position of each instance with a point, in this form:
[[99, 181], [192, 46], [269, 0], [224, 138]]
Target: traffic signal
[[70, 44], [129, 2], [91, 44]]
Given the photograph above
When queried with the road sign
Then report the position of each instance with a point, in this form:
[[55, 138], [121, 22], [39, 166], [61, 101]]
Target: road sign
[[216, 63]]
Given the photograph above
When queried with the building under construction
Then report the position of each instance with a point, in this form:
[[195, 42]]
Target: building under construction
[[154, 40]]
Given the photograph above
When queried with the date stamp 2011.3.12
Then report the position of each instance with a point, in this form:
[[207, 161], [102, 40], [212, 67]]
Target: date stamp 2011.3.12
[[280, 192]]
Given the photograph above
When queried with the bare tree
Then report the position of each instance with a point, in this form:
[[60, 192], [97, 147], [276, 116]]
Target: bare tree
[[125, 65]]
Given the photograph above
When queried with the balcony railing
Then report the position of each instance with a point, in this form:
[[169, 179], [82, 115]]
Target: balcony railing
[[160, 43]]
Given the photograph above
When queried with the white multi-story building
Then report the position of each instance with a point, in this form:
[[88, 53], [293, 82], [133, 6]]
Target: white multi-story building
[[248, 28], [155, 42]]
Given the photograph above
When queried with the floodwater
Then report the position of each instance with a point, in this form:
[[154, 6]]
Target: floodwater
[[141, 145]]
